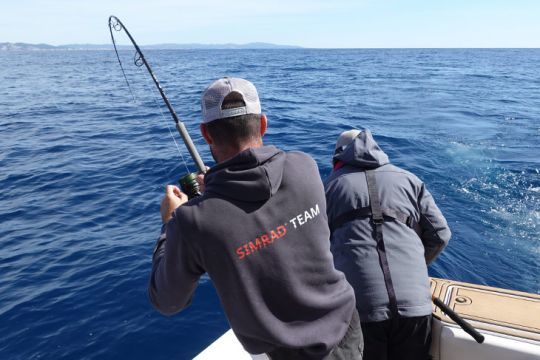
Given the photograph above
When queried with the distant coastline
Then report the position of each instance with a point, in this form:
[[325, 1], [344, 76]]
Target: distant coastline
[[8, 46]]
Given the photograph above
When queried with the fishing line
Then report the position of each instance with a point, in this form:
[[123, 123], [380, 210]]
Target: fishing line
[[149, 88], [136, 104], [117, 26], [138, 63]]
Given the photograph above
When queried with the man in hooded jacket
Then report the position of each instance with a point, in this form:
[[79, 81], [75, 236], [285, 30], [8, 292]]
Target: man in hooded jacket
[[386, 229], [260, 232]]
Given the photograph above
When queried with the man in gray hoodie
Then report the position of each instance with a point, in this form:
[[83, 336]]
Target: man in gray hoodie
[[386, 229], [260, 231]]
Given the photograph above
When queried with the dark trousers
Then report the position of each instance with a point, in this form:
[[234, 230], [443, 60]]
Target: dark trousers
[[352, 344], [349, 348], [397, 339]]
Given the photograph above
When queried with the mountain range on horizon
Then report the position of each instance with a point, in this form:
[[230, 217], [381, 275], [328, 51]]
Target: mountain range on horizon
[[8, 46]]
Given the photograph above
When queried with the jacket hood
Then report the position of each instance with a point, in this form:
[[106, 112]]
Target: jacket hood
[[253, 175], [363, 152]]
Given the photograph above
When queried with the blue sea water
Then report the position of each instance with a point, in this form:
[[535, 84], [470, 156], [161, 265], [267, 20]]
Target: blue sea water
[[83, 165]]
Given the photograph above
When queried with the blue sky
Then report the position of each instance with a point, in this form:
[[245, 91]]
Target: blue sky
[[309, 23]]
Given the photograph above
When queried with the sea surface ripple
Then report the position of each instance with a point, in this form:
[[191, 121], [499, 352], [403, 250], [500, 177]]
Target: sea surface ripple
[[84, 161]]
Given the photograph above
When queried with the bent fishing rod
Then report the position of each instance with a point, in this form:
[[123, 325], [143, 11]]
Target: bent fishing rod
[[187, 182]]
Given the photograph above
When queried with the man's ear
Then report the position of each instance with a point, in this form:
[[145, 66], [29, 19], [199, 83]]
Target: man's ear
[[264, 124], [206, 135]]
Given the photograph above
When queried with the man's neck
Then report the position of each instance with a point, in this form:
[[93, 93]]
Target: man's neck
[[226, 153]]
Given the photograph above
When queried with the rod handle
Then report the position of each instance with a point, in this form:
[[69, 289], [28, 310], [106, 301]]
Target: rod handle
[[458, 320]]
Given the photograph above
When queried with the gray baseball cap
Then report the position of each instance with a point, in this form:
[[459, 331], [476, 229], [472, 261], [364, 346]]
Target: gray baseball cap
[[213, 97]]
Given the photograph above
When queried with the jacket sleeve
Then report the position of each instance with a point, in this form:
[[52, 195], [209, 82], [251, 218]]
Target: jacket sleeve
[[174, 275], [435, 232]]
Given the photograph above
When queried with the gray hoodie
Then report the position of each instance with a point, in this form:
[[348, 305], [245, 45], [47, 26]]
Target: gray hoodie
[[408, 246], [260, 231]]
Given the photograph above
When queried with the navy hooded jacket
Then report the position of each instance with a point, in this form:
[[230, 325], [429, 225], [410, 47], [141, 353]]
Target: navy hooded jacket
[[260, 231]]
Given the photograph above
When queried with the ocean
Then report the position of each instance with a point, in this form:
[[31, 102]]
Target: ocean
[[84, 162]]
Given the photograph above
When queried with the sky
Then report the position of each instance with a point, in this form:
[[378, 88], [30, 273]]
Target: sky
[[307, 23]]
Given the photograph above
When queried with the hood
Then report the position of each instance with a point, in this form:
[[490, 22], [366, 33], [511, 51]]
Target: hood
[[253, 175], [363, 152]]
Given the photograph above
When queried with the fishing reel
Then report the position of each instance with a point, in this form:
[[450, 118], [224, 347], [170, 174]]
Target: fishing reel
[[189, 185]]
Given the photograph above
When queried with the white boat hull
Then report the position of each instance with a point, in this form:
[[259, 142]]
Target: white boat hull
[[509, 321], [452, 343]]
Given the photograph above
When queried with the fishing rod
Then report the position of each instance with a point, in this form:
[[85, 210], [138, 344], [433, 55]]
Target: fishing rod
[[458, 320], [188, 182]]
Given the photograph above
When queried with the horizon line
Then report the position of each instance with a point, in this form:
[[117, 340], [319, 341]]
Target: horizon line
[[291, 47]]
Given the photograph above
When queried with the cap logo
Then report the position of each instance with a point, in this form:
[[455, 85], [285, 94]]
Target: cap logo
[[233, 112]]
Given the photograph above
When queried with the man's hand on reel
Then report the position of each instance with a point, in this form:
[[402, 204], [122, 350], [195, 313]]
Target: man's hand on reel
[[173, 198]]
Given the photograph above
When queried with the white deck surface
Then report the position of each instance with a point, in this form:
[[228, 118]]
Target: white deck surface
[[455, 345]]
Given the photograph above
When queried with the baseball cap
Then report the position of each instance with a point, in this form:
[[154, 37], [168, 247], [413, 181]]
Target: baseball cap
[[345, 139], [212, 99]]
